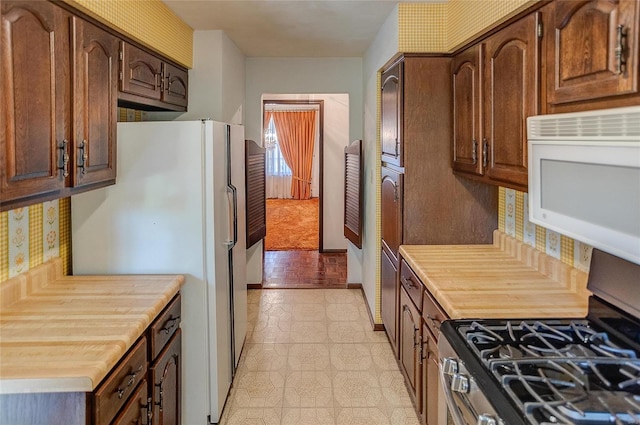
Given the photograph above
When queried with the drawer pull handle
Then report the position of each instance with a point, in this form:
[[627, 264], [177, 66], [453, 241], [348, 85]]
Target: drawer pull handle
[[619, 50], [129, 382], [435, 322], [84, 158], [160, 401], [170, 324], [408, 282], [65, 158]]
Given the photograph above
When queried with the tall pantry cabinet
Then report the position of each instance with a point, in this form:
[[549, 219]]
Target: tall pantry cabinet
[[422, 201]]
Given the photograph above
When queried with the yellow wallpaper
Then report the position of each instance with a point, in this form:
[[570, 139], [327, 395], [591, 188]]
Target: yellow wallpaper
[[32, 235], [422, 27], [444, 27], [470, 18], [513, 219], [149, 22], [378, 314]]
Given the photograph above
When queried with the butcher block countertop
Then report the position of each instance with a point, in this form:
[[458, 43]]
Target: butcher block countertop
[[65, 333], [507, 279]]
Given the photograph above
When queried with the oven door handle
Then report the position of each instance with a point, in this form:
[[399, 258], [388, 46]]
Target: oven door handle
[[454, 409]]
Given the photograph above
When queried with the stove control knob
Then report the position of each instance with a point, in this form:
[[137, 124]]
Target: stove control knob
[[487, 420], [459, 383], [449, 366]]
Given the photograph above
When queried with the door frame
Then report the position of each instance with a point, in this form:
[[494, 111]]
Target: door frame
[[320, 104]]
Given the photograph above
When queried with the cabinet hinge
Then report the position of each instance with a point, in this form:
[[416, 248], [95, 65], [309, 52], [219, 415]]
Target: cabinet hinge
[[539, 29], [121, 76], [121, 55]]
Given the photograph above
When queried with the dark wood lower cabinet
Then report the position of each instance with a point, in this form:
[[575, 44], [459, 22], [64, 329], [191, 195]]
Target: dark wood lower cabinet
[[389, 299], [136, 410], [430, 375], [410, 334], [166, 383]]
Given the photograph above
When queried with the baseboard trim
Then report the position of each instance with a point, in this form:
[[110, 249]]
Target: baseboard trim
[[333, 251], [375, 326], [254, 285], [354, 285]]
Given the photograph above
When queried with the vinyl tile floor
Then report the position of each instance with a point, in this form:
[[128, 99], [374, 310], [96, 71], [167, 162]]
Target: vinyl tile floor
[[310, 357]]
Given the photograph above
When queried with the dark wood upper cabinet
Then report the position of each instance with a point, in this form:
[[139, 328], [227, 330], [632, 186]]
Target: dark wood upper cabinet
[[511, 94], [148, 82], [466, 68], [495, 87], [391, 202], [391, 110], [593, 46], [95, 107], [141, 72], [175, 87], [35, 99]]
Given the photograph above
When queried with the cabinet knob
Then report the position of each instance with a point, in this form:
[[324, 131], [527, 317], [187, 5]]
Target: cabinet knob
[[487, 420], [449, 366], [459, 383]]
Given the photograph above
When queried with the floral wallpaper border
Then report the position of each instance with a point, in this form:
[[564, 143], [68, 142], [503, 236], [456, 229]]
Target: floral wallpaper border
[[32, 235], [513, 219]]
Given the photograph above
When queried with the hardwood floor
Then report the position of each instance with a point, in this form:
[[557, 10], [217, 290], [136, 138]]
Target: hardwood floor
[[304, 269]]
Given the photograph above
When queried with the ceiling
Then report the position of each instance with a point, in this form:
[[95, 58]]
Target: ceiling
[[302, 28]]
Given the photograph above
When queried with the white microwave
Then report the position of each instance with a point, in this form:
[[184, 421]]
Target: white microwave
[[584, 177]]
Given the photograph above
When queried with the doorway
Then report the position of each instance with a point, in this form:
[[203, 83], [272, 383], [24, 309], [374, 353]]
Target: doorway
[[294, 220]]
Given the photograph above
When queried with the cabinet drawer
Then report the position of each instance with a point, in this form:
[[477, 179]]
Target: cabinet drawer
[[432, 314], [136, 410], [120, 383], [411, 283], [165, 326]]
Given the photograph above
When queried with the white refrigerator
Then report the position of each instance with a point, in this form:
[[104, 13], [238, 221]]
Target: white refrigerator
[[178, 207]]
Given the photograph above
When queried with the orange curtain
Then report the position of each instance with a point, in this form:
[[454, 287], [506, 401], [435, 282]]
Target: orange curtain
[[296, 133]]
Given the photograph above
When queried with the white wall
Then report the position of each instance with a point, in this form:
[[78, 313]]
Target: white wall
[[328, 76], [383, 48], [217, 80]]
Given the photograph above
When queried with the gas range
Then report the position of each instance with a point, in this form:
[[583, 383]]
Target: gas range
[[548, 371]]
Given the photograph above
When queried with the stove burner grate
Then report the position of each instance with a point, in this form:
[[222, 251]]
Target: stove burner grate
[[560, 373]]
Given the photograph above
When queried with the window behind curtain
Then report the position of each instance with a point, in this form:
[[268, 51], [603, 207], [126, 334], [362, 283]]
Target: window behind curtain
[[278, 174]]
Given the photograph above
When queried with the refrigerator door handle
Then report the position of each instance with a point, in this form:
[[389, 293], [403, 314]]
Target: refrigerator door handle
[[232, 199]]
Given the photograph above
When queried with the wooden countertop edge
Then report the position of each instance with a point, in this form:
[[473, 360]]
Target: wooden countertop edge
[[571, 282], [47, 276]]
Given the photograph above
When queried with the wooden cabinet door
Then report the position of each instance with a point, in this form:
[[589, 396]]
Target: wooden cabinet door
[[583, 57], [430, 377], [510, 96], [466, 70], [389, 298], [35, 98], [175, 88], [410, 332], [391, 115], [391, 212], [95, 109], [136, 410], [166, 377], [141, 72]]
